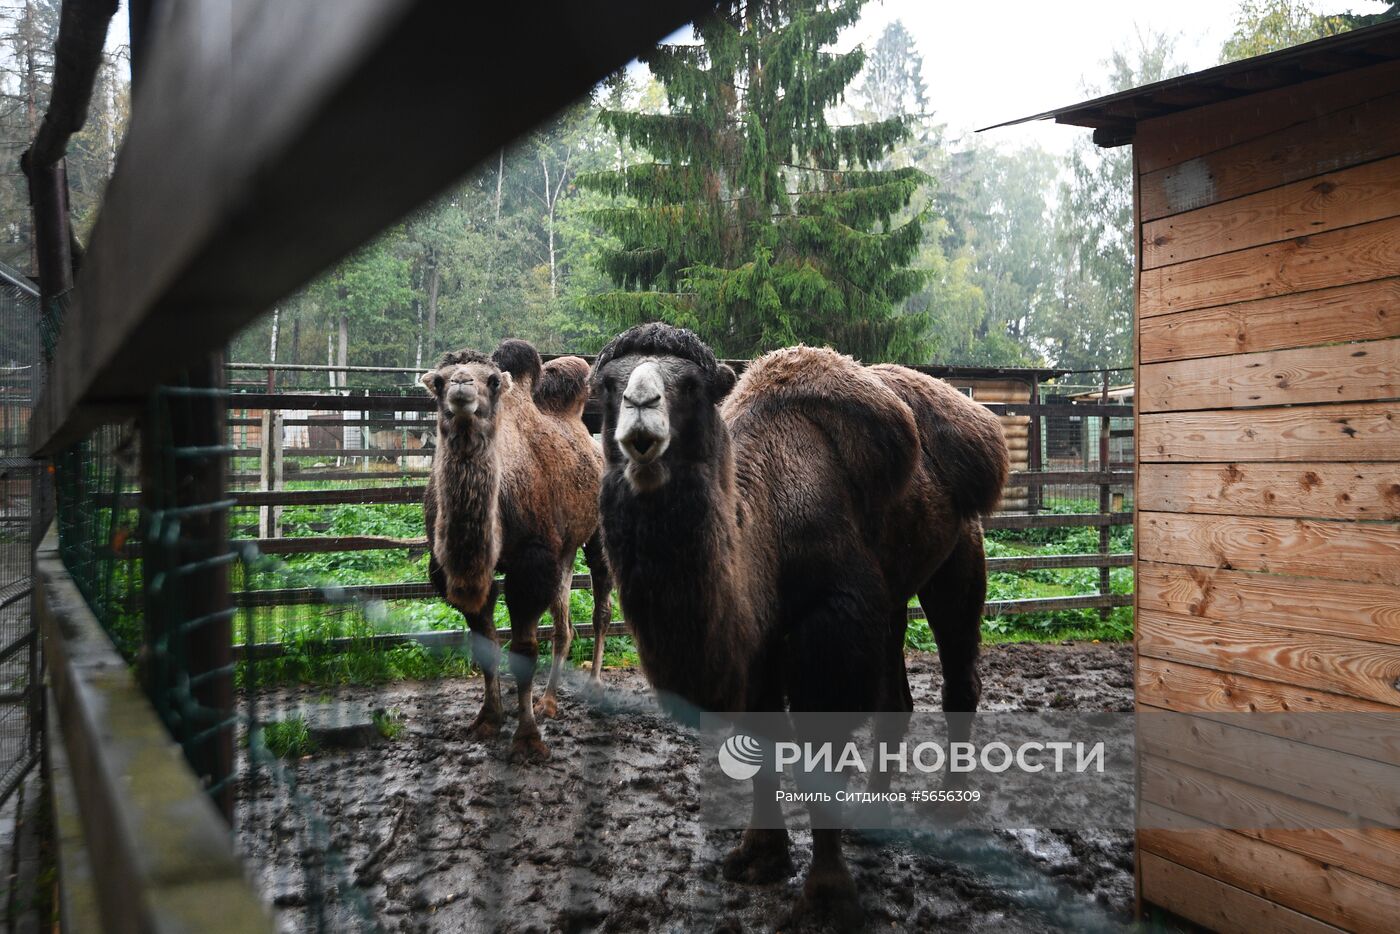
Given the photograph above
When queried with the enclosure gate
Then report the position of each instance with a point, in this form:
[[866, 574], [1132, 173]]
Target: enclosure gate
[[21, 513]]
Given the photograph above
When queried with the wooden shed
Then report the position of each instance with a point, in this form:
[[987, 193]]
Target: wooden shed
[[1268, 371]]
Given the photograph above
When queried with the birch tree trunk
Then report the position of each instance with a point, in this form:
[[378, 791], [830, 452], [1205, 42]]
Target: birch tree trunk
[[418, 353], [343, 354], [549, 226], [434, 282]]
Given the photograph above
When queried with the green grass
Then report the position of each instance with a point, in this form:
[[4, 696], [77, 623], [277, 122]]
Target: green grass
[[288, 739], [389, 723], [303, 629]]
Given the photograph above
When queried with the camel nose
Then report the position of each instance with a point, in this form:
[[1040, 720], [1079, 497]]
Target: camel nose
[[643, 429], [461, 395]]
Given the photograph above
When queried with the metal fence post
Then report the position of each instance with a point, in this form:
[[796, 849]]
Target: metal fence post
[[1105, 498], [1034, 462]]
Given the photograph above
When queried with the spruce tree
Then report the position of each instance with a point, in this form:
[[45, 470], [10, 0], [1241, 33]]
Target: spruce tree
[[758, 223]]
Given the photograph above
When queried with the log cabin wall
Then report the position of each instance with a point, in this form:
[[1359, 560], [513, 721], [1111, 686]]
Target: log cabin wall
[[1268, 369], [1016, 428]]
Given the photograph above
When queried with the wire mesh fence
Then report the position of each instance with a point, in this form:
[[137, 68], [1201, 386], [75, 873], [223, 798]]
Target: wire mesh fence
[[22, 509], [325, 563]]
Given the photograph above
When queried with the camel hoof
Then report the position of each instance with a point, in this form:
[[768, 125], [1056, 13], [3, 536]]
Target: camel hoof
[[547, 707], [758, 863], [482, 730], [594, 690], [528, 749], [828, 899]]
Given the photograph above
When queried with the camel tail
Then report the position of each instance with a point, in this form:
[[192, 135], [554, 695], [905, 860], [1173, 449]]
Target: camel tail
[[563, 386]]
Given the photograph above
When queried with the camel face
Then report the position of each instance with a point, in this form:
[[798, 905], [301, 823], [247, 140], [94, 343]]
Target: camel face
[[643, 429], [651, 400], [467, 392]]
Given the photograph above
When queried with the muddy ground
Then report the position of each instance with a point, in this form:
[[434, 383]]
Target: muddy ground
[[443, 834]]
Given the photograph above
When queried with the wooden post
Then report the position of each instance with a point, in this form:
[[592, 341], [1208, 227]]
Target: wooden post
[[48, 197], [1105, 499], [270, 472]]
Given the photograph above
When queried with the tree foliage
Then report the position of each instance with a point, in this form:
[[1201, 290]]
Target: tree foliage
[[759, 187], [28, 34], [758, 222], [1269, 25], [1088, 318]]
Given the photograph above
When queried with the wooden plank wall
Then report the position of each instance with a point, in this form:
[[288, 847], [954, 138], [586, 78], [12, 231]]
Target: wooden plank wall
[[1015, 427], [1268, 373]]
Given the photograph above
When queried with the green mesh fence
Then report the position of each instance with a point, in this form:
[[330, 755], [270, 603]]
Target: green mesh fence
[[98, 530]]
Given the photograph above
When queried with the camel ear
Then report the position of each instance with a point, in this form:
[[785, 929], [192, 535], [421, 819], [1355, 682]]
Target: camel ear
[[430, 382], [507, 381], [725, 379]]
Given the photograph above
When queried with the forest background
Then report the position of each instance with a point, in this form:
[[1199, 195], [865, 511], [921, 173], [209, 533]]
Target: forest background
[[750, 182]]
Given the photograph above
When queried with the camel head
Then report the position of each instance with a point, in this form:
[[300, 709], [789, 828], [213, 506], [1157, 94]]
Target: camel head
[[659, 386], [468, 387]]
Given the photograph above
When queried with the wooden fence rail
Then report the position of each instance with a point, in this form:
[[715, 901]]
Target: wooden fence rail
[[272, 450]]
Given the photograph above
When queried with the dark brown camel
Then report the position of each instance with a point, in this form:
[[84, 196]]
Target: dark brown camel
[[765, 552], [514, 489]]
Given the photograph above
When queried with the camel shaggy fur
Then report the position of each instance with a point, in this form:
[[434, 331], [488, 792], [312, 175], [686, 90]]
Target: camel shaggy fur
[[765, 551], [514, 489]]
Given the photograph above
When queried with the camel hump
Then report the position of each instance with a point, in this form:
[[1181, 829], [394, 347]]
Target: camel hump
[[872, 430], [962, 439], [520, 359], [563, 386]]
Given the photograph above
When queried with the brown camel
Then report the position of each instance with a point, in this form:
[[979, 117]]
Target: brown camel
[[514, 489], [765, 552]]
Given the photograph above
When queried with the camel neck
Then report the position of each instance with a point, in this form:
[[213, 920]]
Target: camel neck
[[466, 474], [679, 567]]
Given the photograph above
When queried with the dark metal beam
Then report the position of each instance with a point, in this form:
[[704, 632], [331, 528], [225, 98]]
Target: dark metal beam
[[270, 139]]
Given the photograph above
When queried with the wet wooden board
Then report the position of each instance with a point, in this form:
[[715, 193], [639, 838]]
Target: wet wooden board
[[1322, 891], [1361, 133], [1331, 433], [1221, 907], [1373, 853], [1357, 195], [1338, 257], [1361, 312], [1310, 489], [1369, 612], [1366, 670], [1348, 551]]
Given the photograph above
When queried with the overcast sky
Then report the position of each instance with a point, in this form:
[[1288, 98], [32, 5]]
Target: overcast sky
[[998, 60], [995, 61]]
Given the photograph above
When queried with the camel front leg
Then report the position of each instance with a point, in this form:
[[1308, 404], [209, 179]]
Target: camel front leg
[[486, 652], [764, 854], [562, 640], [829, 895], [530, 586]]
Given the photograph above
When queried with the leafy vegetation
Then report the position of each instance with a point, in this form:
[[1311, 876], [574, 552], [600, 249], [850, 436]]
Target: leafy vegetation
[[757, 221], [304, 630], [288, 739], [389, 723]]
